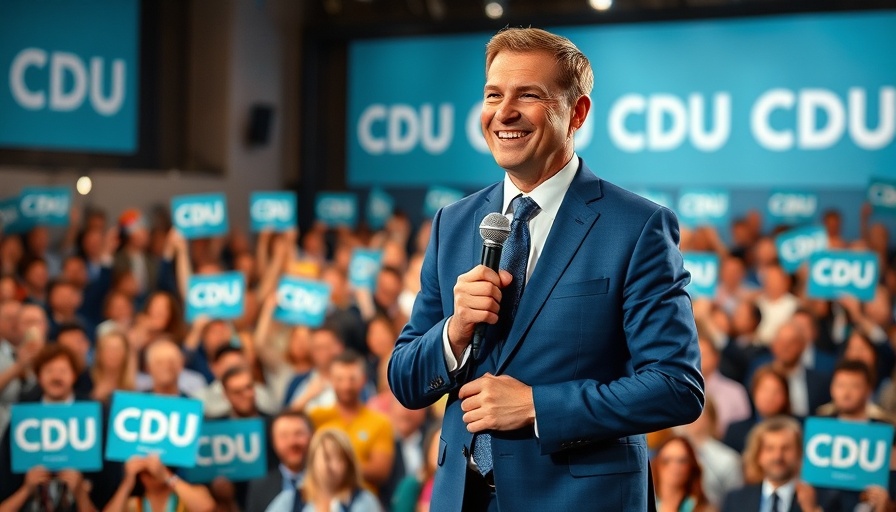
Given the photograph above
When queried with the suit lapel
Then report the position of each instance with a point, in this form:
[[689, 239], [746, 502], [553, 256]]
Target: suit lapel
[[573, 222]]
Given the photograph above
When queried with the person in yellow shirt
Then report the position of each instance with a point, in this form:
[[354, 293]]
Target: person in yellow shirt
[[369, 431]]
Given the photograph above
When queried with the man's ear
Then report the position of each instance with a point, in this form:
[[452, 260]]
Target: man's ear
[[579, 113]]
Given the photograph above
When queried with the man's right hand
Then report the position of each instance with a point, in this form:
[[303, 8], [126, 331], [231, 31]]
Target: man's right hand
[[477, 299]]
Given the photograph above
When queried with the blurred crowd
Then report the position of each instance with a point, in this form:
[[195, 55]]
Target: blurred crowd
[[99, 307]]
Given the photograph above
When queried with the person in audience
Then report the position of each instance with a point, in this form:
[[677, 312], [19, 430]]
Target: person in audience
[[369, 431], [133, 256], [333, 480], [290, 434], [165, 373], [114, 366], [118, 312], [34, 278], [808, 388], [772, 469], [734, 405], [316, 390], [284, 353], [814, 358], [677, 478], [414, 492], [161, 489], [410, 453], [776, 303], [13, 362], [770, 395], [343, 314], [381, 336], [721, 464], [742, 345], [732, 288], [63, 301], [214, 396]]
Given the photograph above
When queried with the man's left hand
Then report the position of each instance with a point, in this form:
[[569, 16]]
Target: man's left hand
[[497, 403]]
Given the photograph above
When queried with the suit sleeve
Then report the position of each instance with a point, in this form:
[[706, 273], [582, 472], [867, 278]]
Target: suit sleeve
[[418, 372], [664, 387]]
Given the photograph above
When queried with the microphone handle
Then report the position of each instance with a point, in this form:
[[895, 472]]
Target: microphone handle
[[491, 258]]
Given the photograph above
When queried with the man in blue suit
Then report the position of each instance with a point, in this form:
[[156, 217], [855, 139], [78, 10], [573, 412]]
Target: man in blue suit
[[596, 343]]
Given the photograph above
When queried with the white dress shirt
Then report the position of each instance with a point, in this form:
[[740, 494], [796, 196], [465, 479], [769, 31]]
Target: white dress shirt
[[548, 196], [785, 496]]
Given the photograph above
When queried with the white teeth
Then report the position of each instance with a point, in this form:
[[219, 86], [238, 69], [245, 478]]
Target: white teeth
[[511, 135]]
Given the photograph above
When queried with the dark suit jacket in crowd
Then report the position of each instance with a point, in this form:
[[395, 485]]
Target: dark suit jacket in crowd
[[263, 491], [749, 498]]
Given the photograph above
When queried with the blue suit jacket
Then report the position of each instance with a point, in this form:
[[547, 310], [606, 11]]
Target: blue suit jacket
[[604, 334]]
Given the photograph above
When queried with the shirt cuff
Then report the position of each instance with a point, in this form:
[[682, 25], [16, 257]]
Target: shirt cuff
[[450, 360]]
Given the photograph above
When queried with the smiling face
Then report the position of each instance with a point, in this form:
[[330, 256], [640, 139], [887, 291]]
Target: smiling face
[[527, 120]]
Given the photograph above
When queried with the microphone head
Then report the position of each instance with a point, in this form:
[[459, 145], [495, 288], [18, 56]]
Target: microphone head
[[494, 229]]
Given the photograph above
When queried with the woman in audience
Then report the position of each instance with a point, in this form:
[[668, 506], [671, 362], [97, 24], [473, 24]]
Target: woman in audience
[[770, 394], [677, 478], [161, 490], [114, 366]]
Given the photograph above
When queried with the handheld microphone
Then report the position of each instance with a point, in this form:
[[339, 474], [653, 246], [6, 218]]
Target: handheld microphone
[[494, 230]]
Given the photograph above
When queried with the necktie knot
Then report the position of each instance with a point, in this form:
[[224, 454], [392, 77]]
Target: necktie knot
[[524, 208]]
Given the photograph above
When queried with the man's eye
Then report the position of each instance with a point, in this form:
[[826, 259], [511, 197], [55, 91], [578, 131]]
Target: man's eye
[[491, 95], [529, 95]]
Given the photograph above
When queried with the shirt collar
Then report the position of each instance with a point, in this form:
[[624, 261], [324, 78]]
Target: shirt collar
[[549, 194], [68, 401], [289, 475], [785, 492]]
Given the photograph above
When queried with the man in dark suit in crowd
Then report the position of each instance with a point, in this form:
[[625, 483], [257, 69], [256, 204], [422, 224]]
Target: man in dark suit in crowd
[[775, 451], [594, 341], [290, 434]]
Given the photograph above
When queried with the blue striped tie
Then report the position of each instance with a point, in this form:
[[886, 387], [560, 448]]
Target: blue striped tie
[[514, 259]]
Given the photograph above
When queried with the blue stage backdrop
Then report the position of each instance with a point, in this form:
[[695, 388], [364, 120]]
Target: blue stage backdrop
[[71, 74], [792, 102]]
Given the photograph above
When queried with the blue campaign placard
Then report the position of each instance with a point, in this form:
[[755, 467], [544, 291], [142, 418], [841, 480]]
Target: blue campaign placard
[[220, 296], [275, 211], [379, 208], [364, 268], [233, 449], [791, 206], [47, 206], [700, 207], [71, 75], [438, 198], [704, 269], [301, 301], [795, 246], [11, 221], [846, 454], [882, 195], [143, 424], [337, 209], [835, 273], [200, 215], [657, 196], [56, 436]]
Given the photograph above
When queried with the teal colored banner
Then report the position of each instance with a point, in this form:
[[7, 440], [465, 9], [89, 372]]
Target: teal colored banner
[[882, 195], [71, 75], [798, 245], [200, 215], [379, 208], [143, 424], [233, 449], [364, 268], [301, 301], [439, 197], [847, 455], [703, 207], [217, 296], [56, 436], [704, 269], [791, 207], [337, 209], [805, 100], [45, 206], [275, 211], [836, 273]]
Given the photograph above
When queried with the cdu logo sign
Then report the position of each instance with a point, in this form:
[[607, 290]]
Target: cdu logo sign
[[337, 209], [846, 455], [45, 206], [835, 273], [71, 73], [56, 436], [201, 215], [141, 424], [797, 245], [216, 296], [301, 302], [233, 449], [704, 269], [698, 207], [272, 210], [792, 207], [882, 195], [379, 208], [438, 198], [364, 268]]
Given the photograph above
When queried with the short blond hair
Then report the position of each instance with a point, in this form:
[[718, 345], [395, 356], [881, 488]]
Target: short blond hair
[[752, 471], [575, 77]]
